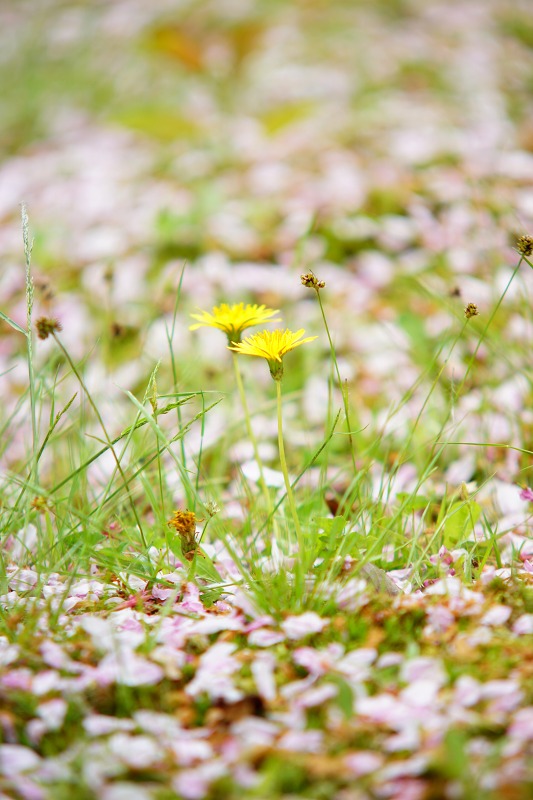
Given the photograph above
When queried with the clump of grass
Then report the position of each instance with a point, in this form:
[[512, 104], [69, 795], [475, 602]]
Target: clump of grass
[[289, 548]]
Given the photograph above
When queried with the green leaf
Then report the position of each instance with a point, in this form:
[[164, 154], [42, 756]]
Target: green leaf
[[148, 419], [459, 521], [12, 322], [162, 124], [282, 116], [210, 595], [205, 567], [455, 762], [344, 696], [412, 502], [332, 528]]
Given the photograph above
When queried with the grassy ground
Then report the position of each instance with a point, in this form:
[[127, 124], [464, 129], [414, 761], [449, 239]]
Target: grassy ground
[[216, 584]]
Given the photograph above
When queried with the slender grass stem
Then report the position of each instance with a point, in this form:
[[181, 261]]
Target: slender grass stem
[[159, 468], [28, 246], [104, 429], [342, 384], [153, 398], [251, 435], [487, 326], [187, 488], [407, 445], [283, 463]]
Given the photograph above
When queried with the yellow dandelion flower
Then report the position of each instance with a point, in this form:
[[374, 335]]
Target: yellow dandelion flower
[[272, 345], [233, 320]]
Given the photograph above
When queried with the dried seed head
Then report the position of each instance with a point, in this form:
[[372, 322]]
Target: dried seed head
[[212, 508], [40, 504], [525, 245], [46, 326], [471, 311], [311, 281], [184, 523]]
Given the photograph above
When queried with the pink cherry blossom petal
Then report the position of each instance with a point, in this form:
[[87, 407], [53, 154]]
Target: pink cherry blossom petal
[[301, 741], [297, 627], [15, 759], [265, 638], [263, 667], [363, 762], [523, 625]]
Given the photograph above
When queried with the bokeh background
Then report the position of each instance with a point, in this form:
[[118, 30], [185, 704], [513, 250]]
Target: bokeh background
[[386, 145]]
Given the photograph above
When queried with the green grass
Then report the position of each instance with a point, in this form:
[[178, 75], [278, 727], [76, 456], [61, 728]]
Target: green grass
[[71, 511], [103, 443]]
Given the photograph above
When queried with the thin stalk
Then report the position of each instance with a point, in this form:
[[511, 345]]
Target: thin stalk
[[191, 497], [28, 246], [152, 392], [200, 454], [159, 468], [251, 435], [104, 429], [283, 463], [307, 466], [487, 326], [342, 384], [407, 445]]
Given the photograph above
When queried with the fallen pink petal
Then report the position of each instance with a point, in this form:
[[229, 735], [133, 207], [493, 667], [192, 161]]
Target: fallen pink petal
[[266, 504]]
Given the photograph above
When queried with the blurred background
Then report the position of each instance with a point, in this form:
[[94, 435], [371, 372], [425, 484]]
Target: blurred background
[[386, 144]]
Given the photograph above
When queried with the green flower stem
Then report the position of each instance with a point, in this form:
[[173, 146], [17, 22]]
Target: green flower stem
[[104, 429], [283, 463], [249, 429], [342, 385], [487, 326], [435, 383]]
